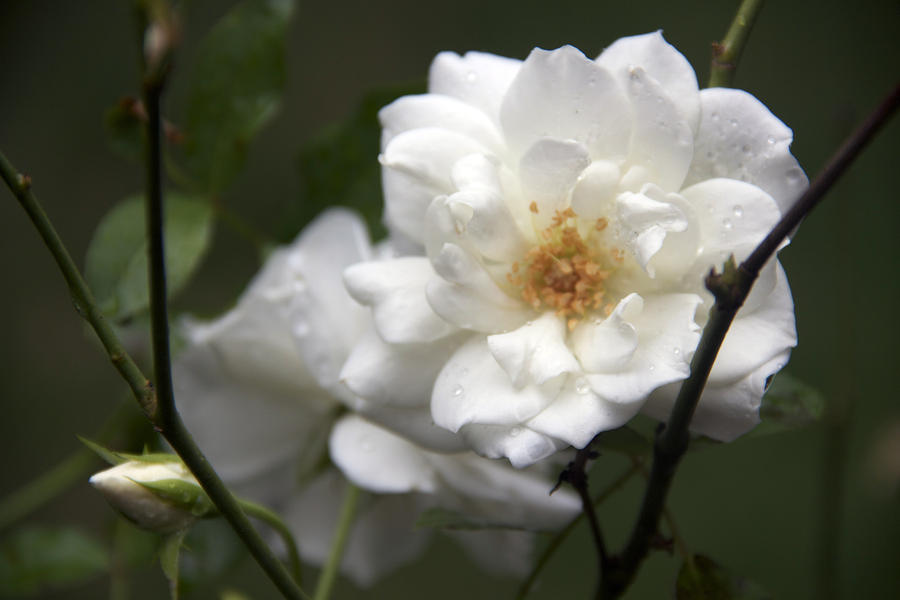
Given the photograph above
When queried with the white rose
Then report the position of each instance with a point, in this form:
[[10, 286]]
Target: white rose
[[259, 389], [559, 215]]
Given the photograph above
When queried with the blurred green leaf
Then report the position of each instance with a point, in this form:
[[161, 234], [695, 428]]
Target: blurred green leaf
[[212, 550], [124, 124], [339, 166], [789, 404], [707, 580], [183, 494], [116, 263], [36, 559], [169, 552], [236, 87]]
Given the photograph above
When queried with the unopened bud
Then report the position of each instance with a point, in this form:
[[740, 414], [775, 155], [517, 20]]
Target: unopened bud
[[158, 496]]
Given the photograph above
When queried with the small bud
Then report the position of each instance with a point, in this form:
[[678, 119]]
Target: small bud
[[157, 496]]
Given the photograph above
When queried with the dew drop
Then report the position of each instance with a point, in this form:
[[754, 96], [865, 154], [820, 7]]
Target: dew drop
[[738, 211], [726, 223], [794, 176], [710, 155], [651, 368], [676, 351], [582, 386], [733, 122], [770, 140], [715, 116], [301, 329], [515, 431], [458, 391], [471, 77], [746, 148]]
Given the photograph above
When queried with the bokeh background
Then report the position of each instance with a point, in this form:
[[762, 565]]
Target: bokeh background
[[763, 507]]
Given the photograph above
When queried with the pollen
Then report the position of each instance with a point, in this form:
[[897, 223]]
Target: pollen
[[566, 272]]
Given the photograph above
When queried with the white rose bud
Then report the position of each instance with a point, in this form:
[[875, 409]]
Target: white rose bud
[[158, 496]]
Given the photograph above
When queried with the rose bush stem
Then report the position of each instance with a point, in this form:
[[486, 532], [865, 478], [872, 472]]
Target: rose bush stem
[[730, 288], [725, 54], [341, 533], [166, 418]]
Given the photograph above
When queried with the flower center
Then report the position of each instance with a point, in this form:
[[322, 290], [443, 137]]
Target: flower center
[[566, 272]]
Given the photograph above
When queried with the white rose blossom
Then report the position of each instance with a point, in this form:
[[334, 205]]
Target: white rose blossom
[[557, 217], [259, 390]]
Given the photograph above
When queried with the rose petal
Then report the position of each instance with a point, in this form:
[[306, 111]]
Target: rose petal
[[443, 112], [739, 138], [661, 61], [413, 423], [646, 218], [608, 345], [548, 171], [521, 445], [535, 352], [416, 168], [374, 368], [473, 388], [563, 95], [477, 78], [377, 460], [466, 296], [395, 289]]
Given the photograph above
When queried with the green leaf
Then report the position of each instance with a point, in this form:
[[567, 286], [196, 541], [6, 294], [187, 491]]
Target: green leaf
[[236, 87], [169, 552], [183, 494], [789, 404], [110, 456], [116, 263], [36, 559], [704, 579], [124, 126], [212, 551], [442, 518], [340, 165]]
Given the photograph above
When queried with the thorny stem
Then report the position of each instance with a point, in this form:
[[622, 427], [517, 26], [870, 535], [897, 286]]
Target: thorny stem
[[564, 533], [727, 52], [730, 289], [167, 420], [82, 298]]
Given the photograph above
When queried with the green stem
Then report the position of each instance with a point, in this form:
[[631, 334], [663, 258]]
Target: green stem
[[270, 518], [727, 52], [167, 420], [341, 533], [730, 289], [83, 299], [557, 540]]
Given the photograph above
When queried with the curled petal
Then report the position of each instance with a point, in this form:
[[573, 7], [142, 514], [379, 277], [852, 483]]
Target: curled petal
[[443, 112], [416, 168], [646, 218], [548, 171], [739, 138], [667, 336], [395, 289], [473, 388], [374, 368], [535, 352], [521, 445], [466, 296], [608, 345]]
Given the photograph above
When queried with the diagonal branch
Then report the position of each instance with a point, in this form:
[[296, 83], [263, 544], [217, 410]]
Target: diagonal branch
[[730, 289]]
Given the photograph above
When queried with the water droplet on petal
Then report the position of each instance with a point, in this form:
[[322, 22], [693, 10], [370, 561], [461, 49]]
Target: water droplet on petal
[[770, 140], [746, 148], [676, 351], [794, 176], [582, 386], [715, 116], [458, 391], [738, 211], [733, 122], [726, 223], [515, 431], [651, 368], [471, 76], [301, 329]]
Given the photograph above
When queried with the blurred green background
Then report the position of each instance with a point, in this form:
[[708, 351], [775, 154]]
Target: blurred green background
[[759, 506]]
